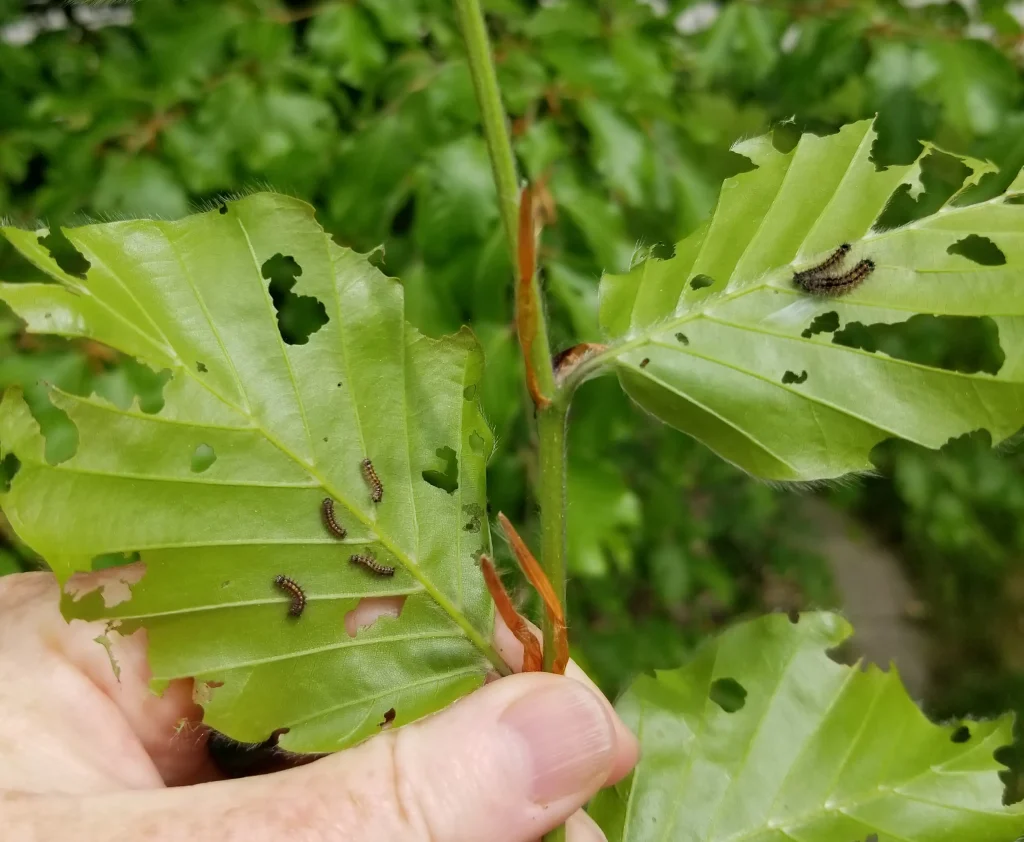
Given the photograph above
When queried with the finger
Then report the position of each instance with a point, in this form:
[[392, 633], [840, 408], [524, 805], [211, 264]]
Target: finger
[[511, 650], [84, 706], [506, 764]]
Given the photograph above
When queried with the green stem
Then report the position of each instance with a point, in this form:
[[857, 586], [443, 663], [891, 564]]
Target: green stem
[[503, 164], [550, 420], [485, 81], [551, 433]]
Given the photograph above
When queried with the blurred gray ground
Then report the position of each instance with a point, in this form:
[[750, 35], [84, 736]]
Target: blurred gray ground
[[875, 595]]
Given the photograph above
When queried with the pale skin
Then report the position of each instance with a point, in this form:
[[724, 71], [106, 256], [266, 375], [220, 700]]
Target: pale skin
[[87, 757]]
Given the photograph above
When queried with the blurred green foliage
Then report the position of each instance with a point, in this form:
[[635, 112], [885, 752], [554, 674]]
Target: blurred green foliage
[[624, 111]]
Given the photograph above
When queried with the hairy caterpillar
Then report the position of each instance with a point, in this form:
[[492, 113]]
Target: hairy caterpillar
[[297, 594], [370, 562], [826, 265], [327, 509], [839, 284], [370, 475]]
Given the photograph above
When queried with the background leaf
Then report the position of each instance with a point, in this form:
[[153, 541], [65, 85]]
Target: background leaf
[[218, 488], [763, 738]]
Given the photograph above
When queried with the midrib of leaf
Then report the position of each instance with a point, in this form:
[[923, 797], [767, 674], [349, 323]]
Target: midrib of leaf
[[456, 615]]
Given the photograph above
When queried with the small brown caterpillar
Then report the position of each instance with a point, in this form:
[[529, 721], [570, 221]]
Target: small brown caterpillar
[[297, 594], [830, 262], [839, 284], [327, 510], [369, 561], [370, 475]]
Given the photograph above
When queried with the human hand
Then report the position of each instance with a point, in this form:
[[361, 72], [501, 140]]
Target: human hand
[[86, 756]]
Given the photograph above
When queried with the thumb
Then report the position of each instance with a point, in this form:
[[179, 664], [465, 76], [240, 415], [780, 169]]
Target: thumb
[[507, 763]]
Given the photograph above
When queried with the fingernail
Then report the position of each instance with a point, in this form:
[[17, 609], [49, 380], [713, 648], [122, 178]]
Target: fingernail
[[569, 738], [582, 828]]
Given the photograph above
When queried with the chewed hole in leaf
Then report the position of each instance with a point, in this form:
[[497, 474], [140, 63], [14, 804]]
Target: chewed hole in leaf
[[825, 323], [960, 735], [389, 717], [202, 693], [942, 175], [476, 442], [792, 377], [469, 392], [298, 316], [967, 344], [105, 561], [132, 380], [67, 257], [109, 588], [475, 514], [202, 458], [967, 448], [448, 478], [728, 694], [979, 249], [59, 431], [370, 609], [223, 209], [794, 615], [663, 251], [785, 136], [9, 466], [701, 282], [201, 367]]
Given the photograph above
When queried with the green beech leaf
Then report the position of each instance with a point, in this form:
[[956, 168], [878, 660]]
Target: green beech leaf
[[719, 342], [602, 519], [763, 738], [220, 490]]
